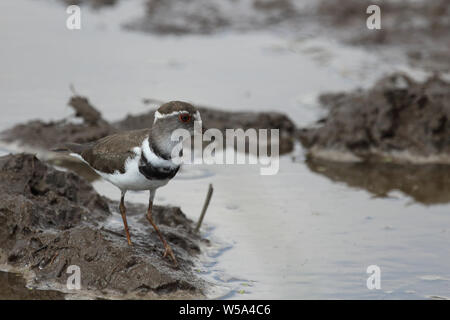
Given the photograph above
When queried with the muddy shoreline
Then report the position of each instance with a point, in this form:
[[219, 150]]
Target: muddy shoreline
[[390, 139], [416, 29], [51, 220], [42, 135], [397, 120]]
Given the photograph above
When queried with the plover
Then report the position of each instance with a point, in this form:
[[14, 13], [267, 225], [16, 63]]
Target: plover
[[141, 159]]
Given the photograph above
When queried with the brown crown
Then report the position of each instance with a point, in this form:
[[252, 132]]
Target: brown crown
[[174, 106]]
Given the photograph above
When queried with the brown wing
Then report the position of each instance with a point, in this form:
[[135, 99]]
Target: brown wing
[[109, 154]]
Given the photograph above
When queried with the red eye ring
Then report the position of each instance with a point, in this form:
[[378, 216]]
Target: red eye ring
[[185, 117]]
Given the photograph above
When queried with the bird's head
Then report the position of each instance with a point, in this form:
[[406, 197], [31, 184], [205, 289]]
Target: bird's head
[[176, 115], [171, 118]]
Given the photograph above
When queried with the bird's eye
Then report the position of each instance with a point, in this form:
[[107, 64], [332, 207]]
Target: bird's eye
[[185, 117]]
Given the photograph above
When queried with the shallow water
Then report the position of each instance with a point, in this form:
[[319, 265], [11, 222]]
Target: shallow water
[[299, 234], [12, 287]]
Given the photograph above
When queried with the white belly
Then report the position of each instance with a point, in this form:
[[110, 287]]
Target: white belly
[[132, 179]]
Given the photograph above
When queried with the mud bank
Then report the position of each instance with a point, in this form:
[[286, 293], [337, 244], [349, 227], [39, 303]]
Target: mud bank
[[39, 134], [50, 220], [42, 135], [208, 17], [178, 17], [417, 28], [398, 119], [222, 120], [13, 287]]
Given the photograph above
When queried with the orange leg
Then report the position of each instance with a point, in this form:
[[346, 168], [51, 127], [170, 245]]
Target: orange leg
[[123, 211], [168, 250]]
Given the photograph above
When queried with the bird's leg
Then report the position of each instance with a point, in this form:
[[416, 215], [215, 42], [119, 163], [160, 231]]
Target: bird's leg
[[168, 249], [123, 211]]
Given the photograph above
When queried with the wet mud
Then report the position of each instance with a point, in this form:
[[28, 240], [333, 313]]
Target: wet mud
[[50, 220], [222, 120], [397, 120], [42, 135], [208, 17], [49, 135], [417, 28]]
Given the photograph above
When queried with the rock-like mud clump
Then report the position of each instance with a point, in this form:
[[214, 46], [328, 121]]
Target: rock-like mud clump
[[398, 119], [44, 135], [50, 220]]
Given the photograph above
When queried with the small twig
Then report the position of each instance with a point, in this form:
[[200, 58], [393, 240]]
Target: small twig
[[205, 207]]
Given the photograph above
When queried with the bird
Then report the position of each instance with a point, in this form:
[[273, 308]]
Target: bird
[[140, 160]]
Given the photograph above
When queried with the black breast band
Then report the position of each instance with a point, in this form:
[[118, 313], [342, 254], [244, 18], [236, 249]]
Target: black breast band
[[156, 173]]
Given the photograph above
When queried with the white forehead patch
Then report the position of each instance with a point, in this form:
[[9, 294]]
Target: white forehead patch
[[159, 115]]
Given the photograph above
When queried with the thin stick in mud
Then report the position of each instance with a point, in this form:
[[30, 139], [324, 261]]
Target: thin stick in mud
[[205, 207]]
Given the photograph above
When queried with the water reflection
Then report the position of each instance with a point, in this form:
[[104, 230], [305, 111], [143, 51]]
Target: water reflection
[[12, 287], [427, 184]]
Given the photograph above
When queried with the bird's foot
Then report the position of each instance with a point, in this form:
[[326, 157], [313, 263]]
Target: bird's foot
[[168, 252], [127, 233]]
